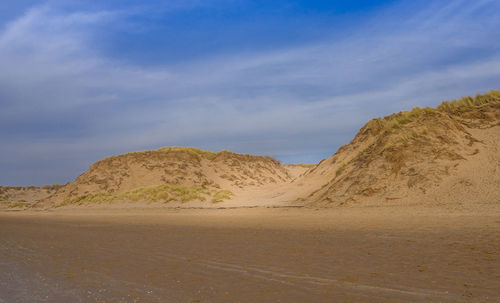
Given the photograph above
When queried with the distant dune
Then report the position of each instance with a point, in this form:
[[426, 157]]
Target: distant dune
[[24, 196], [449, 155]]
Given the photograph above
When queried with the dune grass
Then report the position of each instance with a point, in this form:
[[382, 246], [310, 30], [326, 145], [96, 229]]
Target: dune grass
[[340, 169], [398, 120], [458, 105], [14, 204], [304, 165], [198, 153], [399, 129], [162, 193], [222, 195], [52, 186]]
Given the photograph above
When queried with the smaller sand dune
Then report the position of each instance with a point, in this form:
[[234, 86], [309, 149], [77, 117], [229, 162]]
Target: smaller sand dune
[[172, 175]]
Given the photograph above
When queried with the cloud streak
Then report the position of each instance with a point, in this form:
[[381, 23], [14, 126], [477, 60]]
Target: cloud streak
[[65, 104]]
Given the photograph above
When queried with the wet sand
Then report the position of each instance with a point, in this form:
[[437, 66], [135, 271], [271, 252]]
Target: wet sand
[[250, 255]]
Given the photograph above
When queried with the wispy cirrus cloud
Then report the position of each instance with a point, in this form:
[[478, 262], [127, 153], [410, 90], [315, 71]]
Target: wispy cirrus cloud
[[66, 103]]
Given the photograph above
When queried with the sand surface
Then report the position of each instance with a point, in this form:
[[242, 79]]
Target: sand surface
[[251, 255]]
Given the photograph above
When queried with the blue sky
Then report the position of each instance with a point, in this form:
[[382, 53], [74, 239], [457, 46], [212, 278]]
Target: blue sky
[[82, 80]]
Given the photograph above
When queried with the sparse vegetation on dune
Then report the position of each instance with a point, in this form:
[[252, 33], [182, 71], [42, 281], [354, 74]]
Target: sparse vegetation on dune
[[196, 153], [162, 193], [227, 155], [5, 188], [199, 153], [304, 165], [222, 195], [52, 186], [188, 154], [24, 196], [455, 107], [419, 122], [459, 106], [340, 169], [14, 204]]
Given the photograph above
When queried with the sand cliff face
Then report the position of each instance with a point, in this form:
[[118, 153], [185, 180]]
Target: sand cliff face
[[448, 155]]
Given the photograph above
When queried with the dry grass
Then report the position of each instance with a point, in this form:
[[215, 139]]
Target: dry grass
[[340, 169], [222, 195], [457, 106], [246, 158], [161, 193], [195, 154], [175, 151], [404, 137], [304, 165], [403, 127], [14, 204], [5, 188], [396, 121], [198, 153], [52, 187]]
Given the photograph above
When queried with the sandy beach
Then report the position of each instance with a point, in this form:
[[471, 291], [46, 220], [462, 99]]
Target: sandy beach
[[250, 255]]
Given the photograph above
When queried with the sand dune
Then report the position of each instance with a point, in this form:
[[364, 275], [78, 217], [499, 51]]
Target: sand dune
[[172, 175], [436, 156], [448, 155], [24, 196]]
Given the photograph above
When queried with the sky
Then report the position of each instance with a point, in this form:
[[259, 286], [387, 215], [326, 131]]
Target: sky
[[83, 80]]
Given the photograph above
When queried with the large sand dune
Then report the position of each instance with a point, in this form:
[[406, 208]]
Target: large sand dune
[[447, 155]]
